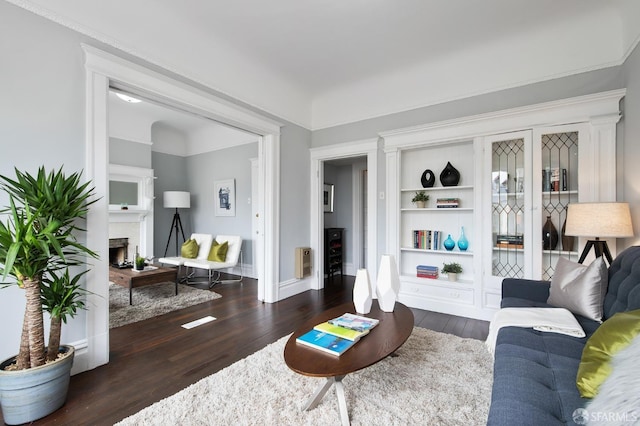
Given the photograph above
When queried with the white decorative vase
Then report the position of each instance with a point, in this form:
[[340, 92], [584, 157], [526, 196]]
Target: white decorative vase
[[452, 276], [388, 283], [362, 294]]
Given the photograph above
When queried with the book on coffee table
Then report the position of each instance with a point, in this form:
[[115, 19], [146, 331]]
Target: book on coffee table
[[354, 322], [336, 330], [325, 342]]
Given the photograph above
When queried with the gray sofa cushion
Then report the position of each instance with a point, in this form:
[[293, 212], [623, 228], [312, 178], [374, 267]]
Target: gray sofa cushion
[[534, 378], [623, 293]]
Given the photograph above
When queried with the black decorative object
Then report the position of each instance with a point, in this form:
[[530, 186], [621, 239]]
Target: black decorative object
[[450, 176], [428, 179], [549, 235], [567, 241]]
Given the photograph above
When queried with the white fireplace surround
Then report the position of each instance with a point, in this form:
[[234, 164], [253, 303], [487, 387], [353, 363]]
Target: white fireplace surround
[[140, 213]]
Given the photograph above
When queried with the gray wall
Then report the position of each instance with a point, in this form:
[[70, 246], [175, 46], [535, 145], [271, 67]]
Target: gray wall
[[295, 201], [129, 153], [580, 84], [202, 171], [172, 175], [41, 123]]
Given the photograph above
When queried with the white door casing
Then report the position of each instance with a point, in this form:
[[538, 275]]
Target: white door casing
[[104, 69]]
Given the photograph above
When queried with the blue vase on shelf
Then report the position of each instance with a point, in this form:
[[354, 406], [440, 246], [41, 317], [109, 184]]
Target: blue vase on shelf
[[449, 244], [463, 243]]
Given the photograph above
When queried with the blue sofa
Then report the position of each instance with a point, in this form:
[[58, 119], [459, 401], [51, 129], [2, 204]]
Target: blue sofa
[[535, 372]]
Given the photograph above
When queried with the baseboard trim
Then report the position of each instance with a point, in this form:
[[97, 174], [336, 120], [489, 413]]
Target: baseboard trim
[[293, 286], [81, 357]]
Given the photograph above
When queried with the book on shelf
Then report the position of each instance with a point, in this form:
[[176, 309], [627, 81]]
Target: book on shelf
[[427, 271], [509, 239], [354, 322], [343, 332], [447, 203], [510, 245], [555, 179], [325, 342], [430, 276], [426, 239]]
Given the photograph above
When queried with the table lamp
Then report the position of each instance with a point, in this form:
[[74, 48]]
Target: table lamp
[[599, 220]]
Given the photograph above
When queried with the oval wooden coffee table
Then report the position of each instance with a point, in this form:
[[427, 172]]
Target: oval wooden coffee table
[[393, 330]]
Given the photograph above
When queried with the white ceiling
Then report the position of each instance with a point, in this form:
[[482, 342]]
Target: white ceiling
[[179, 133], [325, 62]]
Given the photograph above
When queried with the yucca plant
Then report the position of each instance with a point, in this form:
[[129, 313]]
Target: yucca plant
[[36, 242], [61, 296]]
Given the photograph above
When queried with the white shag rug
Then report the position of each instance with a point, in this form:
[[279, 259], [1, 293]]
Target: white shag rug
[[152, 300], [436, 379]]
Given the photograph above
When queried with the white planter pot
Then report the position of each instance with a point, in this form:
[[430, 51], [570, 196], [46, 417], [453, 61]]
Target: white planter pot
[[388, 283], [421, 204], [362, 294], [28, 395], [452, 276]]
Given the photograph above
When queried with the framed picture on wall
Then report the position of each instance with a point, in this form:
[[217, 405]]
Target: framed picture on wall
[[225, 197], [327, 198]]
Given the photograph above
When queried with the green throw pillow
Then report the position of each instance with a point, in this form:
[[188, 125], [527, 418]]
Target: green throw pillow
[[189, 249], [613, 335], [218, 252]]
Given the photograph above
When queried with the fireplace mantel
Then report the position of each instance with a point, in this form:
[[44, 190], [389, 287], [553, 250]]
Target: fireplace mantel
[[127, 215]]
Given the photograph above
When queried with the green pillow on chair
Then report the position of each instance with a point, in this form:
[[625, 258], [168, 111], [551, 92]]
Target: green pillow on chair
[[613, 335], [218, 252], [189, 249]]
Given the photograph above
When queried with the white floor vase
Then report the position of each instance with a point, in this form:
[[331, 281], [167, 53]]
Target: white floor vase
[[362, 294], [388, 283]]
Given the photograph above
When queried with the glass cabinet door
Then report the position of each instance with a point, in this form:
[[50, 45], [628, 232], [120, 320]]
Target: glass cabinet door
[[507, 207], [507, 180], [558, 185]]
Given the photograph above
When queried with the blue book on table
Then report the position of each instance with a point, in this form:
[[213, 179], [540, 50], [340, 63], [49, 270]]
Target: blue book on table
[[325, 342]]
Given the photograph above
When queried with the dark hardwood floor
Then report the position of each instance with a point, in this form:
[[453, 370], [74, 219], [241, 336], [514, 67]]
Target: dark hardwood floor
[[153, 359]]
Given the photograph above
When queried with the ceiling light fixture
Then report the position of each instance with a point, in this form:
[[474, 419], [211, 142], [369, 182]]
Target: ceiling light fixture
[[128, 98]]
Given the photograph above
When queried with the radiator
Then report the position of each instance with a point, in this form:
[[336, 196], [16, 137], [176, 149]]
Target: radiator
[[303, 262]]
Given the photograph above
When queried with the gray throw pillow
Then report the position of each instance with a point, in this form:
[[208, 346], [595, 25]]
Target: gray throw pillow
[[579, 288]]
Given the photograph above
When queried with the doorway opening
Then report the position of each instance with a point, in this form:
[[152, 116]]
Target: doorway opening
[[344, 223], [104, 70], [366, 213]]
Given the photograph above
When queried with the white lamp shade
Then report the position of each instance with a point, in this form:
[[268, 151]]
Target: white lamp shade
[[177, 199], [602, 220]]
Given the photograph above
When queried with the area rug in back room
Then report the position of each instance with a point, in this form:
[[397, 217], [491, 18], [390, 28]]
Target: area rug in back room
[[153, 300]]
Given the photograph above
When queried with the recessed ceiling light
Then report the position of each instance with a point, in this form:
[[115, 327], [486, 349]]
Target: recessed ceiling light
[[128, 98]]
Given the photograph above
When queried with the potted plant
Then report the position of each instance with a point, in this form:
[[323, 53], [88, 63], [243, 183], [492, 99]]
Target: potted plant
[[420, 199], [38, 245], [140, 262], [452, 270]]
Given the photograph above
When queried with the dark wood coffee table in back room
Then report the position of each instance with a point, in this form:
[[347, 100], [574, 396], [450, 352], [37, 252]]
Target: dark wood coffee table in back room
[[130, 279], [393, 330]]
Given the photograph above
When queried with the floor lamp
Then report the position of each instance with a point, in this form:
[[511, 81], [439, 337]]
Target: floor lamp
[[606, 220], [176, 200]]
